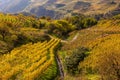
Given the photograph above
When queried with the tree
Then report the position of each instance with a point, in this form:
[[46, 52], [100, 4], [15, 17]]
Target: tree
[[4, 30], [75, 58]]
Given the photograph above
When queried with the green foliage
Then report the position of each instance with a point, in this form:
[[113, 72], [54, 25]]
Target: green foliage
[[66, 26], [82, 22], [72, 61], [50, 73], [60, 28], [88, 22]]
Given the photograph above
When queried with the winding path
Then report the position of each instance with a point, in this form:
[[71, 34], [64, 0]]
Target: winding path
[[75, 37], [59, 60], [67, 41]]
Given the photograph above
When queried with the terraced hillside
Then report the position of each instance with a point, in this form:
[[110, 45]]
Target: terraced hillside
[[30, 62], [89, 49], [100, 59], [18, 20]]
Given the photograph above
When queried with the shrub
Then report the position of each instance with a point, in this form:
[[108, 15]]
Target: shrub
[[73, 60]]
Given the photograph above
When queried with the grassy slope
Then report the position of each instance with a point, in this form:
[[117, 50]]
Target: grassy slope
[[103, 40], [102, 29]]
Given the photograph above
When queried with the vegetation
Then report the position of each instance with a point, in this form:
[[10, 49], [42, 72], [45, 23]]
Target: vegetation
[[81, 22], [4, 30], [28, 45], [60, 28], [16, 30], [72, 61], [102, 40], [24, 63], [25, 29], [102, 53]]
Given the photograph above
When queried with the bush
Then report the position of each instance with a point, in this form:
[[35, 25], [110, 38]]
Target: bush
[[73, 60]]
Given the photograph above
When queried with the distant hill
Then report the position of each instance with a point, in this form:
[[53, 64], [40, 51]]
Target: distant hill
[[61, 8]]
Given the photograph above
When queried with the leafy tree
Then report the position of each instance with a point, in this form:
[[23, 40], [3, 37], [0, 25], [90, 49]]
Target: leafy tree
[[87, 22], [66, 26], [73, 60]]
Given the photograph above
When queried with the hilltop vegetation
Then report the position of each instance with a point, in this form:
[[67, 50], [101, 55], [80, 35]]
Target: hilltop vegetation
[[28, 47], [101, 43], [16, 30]]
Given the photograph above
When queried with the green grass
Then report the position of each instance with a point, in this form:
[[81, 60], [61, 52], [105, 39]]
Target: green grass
[[93, 77]]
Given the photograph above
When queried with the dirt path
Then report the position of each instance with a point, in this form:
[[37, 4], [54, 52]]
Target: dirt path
[[67, 41], [75, 37], [60, 68]]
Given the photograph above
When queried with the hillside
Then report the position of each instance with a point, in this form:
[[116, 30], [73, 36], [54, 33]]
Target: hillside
[[100, 47], [24, 63], [61, 8], [16, 30], [72, 48], [26, 50]]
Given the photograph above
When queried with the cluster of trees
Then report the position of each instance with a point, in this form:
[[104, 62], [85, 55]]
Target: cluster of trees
[[81, 21], [59, 28]]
